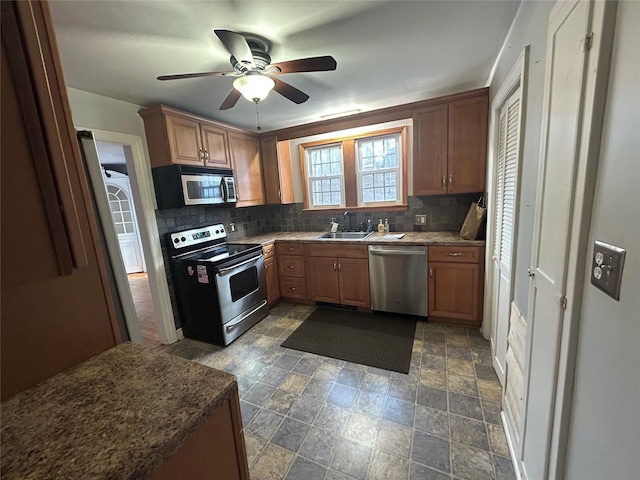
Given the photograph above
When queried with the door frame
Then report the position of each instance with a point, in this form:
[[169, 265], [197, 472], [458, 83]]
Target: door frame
[[517, 75], [145, 203], [602, 22]]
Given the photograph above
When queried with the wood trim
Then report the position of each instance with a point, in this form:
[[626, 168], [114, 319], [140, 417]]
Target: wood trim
[[161, 109], [398, 112], [285, 171], [305, 185], [350, 175], [394, 208]]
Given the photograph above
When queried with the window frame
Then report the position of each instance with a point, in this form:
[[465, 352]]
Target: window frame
[[350, 171], [311, 178], [398, 169]]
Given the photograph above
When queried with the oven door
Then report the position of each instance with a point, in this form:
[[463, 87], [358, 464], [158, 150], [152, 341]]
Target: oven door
[[202, 189], [241, 286]]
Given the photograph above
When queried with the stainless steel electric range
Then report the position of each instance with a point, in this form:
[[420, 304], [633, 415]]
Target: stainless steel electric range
[[220, 287]]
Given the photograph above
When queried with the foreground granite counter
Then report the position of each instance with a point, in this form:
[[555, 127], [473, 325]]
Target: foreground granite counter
[[116, 416], [409, 238]]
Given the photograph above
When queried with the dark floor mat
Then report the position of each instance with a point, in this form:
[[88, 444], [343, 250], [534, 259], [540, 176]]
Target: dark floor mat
[[369, 339]]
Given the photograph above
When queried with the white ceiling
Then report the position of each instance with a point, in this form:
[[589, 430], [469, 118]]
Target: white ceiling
[[388, 52]]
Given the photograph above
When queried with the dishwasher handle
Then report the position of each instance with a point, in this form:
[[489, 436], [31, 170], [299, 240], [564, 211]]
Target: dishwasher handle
[[421, 253]]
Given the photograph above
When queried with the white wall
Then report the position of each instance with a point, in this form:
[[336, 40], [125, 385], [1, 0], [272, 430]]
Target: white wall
[[529, 28], [604, 438]]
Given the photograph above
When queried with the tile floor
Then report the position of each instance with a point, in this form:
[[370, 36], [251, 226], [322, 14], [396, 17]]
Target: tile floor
[[139, 286], [309, 417]]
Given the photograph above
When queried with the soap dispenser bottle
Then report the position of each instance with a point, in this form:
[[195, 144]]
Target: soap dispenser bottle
[[386, 225], [381, 227], [369, 226]]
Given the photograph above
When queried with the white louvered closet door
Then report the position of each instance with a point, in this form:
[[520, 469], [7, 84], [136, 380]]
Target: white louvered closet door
[[505, 197]]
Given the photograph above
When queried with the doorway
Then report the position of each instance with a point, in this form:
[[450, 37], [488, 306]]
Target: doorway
[[115, 176], [149, 286]]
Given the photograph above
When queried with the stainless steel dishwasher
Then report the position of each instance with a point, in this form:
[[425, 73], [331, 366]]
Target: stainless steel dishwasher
[[398, 278]]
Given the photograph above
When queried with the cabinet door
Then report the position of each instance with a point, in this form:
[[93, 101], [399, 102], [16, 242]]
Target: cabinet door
[[184, 140], [354, 282], [273, 286], [430, 150], [454, 291], [322, 281], [214, 142], [245, 160], [467, 145]]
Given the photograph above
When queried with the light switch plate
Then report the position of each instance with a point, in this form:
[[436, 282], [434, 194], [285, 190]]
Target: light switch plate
[[420, 220], [606, 268]]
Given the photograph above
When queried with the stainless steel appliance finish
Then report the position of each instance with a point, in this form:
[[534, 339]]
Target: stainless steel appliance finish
[[398, 278], [180, 185], [220, 287]]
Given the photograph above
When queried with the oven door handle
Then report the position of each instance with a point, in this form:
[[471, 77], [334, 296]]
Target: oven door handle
[[231, 326], [224, 271]]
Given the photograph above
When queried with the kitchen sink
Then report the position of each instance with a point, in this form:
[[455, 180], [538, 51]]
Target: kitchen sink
[[345, 235]]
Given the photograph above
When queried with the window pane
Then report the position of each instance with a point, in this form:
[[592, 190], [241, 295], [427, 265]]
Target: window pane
[[379, 192], [119, 228], [335, 168], [367, 181], [390, 178], [326, 198], [326, 169], [367, 195], [335, 184], [335, 198], [390, 193], [317, 199], [378, 180]]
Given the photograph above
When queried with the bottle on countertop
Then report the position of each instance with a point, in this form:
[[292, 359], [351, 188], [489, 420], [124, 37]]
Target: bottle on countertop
[[334, 225], [381, 227], [369, 226], [386, 225]]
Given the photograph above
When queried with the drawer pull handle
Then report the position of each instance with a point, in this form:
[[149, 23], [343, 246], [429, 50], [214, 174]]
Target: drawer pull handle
[[431, 273], [290, 249], [293, 289], [291, 267], [455, 254]]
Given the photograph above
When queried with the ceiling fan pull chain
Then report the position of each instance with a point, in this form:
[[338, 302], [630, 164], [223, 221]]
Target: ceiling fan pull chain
[[258, 117]]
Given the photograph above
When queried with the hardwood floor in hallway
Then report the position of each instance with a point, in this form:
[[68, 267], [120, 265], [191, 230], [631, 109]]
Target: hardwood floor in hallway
[[139, 284]]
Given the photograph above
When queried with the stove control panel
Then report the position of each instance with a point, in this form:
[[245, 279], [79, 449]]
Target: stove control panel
[[196, 236]]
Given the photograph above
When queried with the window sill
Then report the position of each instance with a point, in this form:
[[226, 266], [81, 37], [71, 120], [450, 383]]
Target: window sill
[[388, 208]]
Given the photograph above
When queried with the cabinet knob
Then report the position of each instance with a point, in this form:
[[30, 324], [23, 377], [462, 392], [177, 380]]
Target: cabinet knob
[[291, 267], [293, 289], [339, 267], [450, 180], [335, 266], [444, 182], [431, 273]]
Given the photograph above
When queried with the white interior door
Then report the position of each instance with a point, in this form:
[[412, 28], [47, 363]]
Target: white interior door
[[569, 25], [505, 202], [124, 221]]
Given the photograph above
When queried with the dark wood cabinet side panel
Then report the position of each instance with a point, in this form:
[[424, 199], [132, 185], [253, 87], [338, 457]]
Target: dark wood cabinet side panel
[[269, 154], [210, 452], [49, 322]]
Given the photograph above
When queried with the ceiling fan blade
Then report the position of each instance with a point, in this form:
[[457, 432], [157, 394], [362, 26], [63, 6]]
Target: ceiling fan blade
[[231, 99], [289, 91], [311, 64], [237, 46], [196, 75]]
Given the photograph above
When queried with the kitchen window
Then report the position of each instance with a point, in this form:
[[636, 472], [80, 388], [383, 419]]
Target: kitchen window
[[362, 172]]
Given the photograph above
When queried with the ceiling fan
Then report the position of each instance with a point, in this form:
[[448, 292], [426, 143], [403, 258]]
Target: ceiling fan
[[257, 76]]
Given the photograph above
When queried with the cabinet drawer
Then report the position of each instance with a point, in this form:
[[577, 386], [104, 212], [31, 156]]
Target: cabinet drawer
[[342, 251], [268, 250], [291, 265], [455, 254], [289, 248], [292, 287]]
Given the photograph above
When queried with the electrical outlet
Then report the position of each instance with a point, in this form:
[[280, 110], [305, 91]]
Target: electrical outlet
[[606, 268], [420, 220]]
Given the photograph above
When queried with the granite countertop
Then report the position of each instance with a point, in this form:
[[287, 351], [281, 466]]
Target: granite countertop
[[410, 238], [116, 416]]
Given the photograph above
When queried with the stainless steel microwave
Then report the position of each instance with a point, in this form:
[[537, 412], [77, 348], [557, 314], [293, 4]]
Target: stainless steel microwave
[[179, 186]]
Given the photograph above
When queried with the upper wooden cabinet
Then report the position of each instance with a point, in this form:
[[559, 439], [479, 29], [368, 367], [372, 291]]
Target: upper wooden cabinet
[[276, 165], [450, 147], [178, 137], [245, 161]]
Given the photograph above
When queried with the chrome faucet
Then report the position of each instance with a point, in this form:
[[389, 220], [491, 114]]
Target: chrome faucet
[[348, 215]]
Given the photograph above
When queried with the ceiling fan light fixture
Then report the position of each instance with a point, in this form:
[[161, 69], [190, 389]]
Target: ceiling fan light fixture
[[254, 86]]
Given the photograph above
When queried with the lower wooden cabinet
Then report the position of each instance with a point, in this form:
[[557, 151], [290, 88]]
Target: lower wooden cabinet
[[456, 284], [338, 274], [271, 268], [291, 271]]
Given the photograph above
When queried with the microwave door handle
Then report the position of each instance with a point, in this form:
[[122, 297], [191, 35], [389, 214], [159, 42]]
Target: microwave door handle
[[223, 187]]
